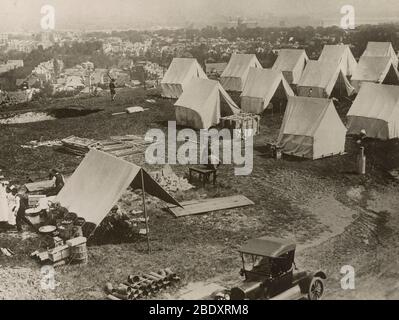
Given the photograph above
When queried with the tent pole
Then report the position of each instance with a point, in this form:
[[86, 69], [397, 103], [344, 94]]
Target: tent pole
[[145, 212]]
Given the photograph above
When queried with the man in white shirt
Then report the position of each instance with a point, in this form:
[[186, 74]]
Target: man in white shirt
[[4, 209]]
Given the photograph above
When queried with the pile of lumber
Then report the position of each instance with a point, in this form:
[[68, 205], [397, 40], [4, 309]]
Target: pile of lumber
[[144, 286], [170, 181], [118, 146], [78, 146]]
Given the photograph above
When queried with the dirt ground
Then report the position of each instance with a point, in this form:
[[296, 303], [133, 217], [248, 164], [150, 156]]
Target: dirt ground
[[337, 218]]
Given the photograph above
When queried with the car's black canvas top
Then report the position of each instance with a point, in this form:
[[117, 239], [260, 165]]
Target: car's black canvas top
[[268, 247]]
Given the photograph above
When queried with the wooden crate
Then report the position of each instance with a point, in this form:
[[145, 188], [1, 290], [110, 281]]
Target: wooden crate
[[59, 253], [242, 122]]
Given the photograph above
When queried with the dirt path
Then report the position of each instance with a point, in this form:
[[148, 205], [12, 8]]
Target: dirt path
[[369, 244]]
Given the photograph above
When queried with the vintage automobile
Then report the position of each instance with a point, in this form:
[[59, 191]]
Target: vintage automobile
[[270, 273]]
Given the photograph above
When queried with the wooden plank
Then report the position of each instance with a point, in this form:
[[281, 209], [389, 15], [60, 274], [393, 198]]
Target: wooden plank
[[117, 147], [125, 152], [209, 205]]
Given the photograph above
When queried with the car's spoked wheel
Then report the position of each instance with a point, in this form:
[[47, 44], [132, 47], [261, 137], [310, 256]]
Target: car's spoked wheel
[[316, 289]]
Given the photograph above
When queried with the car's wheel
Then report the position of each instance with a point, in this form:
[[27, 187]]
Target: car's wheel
[[316, 289]]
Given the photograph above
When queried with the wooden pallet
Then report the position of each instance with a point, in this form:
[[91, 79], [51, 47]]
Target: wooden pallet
[[195, 207]]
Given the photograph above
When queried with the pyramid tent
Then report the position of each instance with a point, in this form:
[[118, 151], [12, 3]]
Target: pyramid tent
[[234, 76], [381, 49], [291, 62], [376, 110], [180, 72], [374, 69], [202, 104], [341, 55], [320, 78], [99, 182], [311, 128], [261, 86]]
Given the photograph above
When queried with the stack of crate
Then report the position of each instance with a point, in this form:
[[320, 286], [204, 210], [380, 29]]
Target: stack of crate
[[243, 122]]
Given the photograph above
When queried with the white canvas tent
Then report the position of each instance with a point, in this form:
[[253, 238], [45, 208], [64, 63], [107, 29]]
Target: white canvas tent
[[374, 69], [291, 62], [341, 55], [261, 86], [376, 110], [99, 182], [180, 72], [311, 128], [320, 78], [202, 104], [381, 49], [234, 76]]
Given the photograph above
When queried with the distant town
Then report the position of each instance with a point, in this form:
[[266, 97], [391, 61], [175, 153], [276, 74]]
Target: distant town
[[57, 64]]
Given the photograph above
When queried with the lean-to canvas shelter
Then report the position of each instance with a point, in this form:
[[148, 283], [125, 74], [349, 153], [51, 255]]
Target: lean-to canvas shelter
[[311, 129], [261, 86], [234, 76], [381, 49], [322, 79], [376, 110], [375, 69], [291, 62], [180, 72], [203, 103], [99, 182], [339, 55]]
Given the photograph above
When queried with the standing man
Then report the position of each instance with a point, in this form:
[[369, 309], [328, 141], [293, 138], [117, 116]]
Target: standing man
[[58, 179], [21, 204], [112, 87]]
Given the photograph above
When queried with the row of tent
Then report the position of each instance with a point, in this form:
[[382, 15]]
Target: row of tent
[[310, 118], [312, 128], [309, 78]]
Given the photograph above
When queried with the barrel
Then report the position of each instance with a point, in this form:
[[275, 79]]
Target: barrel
[[66, 229], [77, 231], [79, 254]]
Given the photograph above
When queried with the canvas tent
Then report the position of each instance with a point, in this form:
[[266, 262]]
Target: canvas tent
[[261, 86], [374, 69], [180, 72], [376, 110], [339, 55], [202, 104], [311, 128], [99, 182], [234, 76], [321, 79], [381, 49], [291, 62]]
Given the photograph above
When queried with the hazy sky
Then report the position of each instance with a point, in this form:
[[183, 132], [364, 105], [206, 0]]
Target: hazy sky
[[25, 14]]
